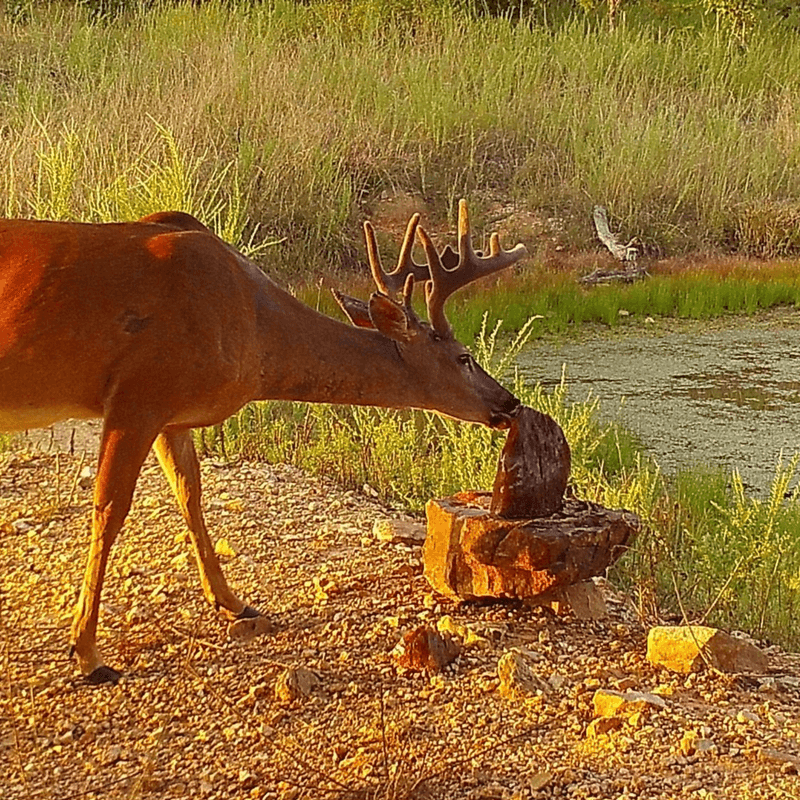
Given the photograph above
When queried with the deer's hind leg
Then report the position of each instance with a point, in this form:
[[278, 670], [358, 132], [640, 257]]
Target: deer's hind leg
[[178, 458]]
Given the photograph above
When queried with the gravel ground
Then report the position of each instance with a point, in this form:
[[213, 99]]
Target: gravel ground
[[199, 716]]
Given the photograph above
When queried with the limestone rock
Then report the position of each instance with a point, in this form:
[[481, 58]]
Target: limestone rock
[[610, 703], [468, 636], [518, 676], [685, 649], [399, 531], [584, 600], [533, 470], [425, 649], [470, 552]]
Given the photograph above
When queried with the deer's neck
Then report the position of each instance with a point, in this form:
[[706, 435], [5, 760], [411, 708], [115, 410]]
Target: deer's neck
[[307, 356]]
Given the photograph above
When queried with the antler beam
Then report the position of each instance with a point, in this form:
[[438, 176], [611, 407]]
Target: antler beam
[[471, 266], [392, 282]]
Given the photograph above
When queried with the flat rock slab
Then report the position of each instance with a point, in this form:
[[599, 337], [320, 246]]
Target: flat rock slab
[[471, 553], [688, 648]]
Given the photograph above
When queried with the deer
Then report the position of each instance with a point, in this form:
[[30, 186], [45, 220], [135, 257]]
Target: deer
[[159, 327]]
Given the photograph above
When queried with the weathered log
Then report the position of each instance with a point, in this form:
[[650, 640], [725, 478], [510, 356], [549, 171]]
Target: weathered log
[[533, 470], [602, 276], [626, 253], [622, 252], [471, 553]]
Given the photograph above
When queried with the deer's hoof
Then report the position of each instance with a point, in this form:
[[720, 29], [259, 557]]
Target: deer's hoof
[[102, 675], [246, 628]]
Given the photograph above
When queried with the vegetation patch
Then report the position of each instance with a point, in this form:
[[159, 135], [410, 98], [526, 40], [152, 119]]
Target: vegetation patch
[[284, 122]]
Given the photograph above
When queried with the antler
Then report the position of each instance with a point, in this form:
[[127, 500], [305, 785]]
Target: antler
[[392, 282], [444, 281]]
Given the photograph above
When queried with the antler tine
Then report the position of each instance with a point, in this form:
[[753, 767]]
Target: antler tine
[[470, 267], [408, 290], [393, 282], [374, 258]]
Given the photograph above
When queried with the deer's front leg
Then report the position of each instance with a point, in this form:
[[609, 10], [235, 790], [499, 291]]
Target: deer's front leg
[[178, 458], [123, 449]]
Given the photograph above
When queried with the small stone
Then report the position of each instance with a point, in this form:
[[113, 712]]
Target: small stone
[[688, 743], [539, 780], [324, 587], [425, 649], [779, 757], [86, 480], [602, 726], [685, 649], [636, 720], [609, 703], [398, 531], [224, 549], [745, 716], [583, 599], [296, 683], [468, 637], [518, 677]]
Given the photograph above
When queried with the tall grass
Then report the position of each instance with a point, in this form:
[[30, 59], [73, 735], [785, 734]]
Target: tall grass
[[713, 553], [283, 121]]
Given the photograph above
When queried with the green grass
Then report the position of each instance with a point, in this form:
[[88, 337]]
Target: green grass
[[285, 122], [555, 304], [707, 550], [716, 554]]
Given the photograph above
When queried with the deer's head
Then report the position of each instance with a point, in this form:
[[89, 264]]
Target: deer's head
[[457, 385]]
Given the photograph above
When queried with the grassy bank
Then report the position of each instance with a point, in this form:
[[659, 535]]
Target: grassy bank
[[282, 126], [707, 550], [554, 303], [280, 122]]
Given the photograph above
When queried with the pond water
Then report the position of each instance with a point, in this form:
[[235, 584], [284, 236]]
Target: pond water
[[717, 394]]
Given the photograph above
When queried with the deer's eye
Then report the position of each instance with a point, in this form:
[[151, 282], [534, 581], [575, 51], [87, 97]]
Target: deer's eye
[[466, 360]]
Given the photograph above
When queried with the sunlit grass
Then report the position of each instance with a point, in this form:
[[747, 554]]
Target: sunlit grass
[[716, 554], [286, 121], [707, 549], [555, 304]]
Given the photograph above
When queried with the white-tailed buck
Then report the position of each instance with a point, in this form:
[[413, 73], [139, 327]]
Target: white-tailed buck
[[158, 327]]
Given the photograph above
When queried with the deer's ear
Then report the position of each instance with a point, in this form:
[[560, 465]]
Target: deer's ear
[[357, 311], [390, 318]]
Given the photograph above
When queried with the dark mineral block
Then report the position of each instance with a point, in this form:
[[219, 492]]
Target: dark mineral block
[[534, 468]]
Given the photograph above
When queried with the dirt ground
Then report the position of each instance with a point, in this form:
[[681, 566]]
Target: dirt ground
[[197, 715]]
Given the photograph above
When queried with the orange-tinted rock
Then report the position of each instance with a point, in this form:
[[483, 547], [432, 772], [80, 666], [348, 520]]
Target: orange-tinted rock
[[425, 649], [470, 552], [685, 649]]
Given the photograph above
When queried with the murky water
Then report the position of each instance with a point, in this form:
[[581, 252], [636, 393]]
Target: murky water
[[712, 394]]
